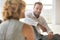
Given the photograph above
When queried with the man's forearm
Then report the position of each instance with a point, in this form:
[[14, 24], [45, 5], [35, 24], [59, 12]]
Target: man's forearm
[[42, 27]]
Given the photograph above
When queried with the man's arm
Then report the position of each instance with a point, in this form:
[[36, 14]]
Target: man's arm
[[49, 31], [42, 27]]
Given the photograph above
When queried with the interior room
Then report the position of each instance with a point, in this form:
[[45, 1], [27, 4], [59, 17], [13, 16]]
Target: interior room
[[50, 11]]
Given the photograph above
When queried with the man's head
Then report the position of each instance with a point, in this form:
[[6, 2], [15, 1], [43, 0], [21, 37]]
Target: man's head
[[37, 8]]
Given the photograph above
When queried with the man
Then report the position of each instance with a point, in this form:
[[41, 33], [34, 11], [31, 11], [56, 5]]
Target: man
[[41, 23]]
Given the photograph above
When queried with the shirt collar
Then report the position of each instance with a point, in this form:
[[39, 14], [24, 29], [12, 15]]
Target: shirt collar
[[33, 15]]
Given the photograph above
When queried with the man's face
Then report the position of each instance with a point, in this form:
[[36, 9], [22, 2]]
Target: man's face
[[37, 9]]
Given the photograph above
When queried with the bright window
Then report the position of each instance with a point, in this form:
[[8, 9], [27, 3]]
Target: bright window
[[1, 7]]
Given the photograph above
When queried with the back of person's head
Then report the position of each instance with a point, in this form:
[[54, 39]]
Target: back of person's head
[[13, 9], [38, 3]]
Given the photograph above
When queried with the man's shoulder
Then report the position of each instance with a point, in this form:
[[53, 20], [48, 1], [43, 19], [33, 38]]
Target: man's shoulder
[[41, 17]]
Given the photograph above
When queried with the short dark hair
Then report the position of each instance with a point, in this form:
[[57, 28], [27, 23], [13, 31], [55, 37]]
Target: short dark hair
[[38, 3]]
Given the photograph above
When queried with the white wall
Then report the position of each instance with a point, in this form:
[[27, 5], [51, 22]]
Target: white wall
[[57, 11]]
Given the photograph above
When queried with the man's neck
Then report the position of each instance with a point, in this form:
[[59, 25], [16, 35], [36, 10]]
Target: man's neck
[[36, 15]]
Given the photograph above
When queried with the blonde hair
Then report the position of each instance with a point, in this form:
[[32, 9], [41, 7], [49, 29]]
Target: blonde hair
[[13, 9]]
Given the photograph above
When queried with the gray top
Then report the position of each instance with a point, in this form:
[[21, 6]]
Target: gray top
[[11, 30]]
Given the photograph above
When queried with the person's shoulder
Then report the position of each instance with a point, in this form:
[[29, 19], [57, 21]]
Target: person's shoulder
[[41, 17], [4, 23]]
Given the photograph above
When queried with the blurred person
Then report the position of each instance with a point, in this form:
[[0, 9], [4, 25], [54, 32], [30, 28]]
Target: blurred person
[[11, 28]]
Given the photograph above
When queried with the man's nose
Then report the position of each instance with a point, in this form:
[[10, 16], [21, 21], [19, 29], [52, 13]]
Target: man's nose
[[38, 10]]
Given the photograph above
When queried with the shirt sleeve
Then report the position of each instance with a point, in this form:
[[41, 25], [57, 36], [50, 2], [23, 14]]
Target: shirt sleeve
[[46, 26], [28, 14], [29, 21]]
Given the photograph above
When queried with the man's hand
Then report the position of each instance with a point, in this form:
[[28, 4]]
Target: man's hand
[[50, 35]]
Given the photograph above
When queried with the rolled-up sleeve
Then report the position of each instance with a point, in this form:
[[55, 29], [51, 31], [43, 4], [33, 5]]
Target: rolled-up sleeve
[[46, 26], [29, 21]]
